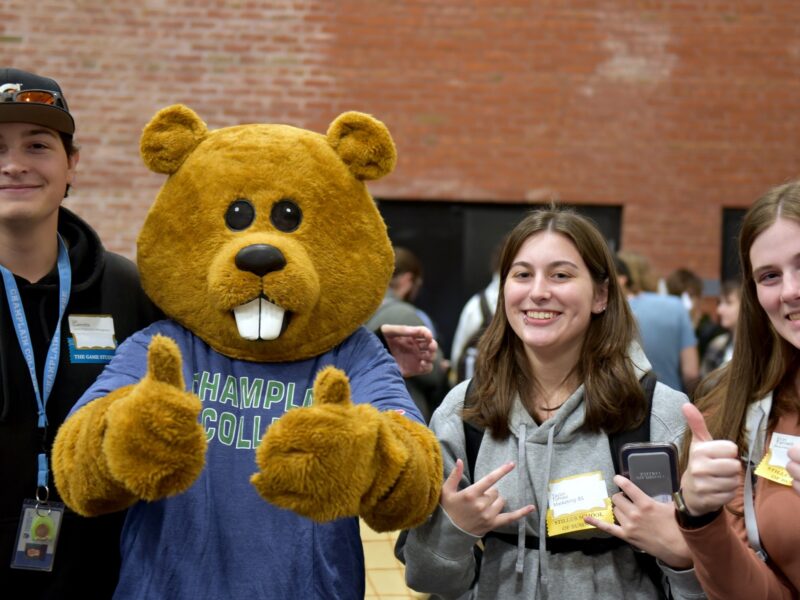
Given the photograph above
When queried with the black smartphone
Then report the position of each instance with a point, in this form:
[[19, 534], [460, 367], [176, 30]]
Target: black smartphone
[[653, 467]]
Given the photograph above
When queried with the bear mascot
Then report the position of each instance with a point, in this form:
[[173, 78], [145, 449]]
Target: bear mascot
[[267, 254]]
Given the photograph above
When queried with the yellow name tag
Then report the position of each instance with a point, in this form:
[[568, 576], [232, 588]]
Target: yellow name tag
[[773, 465], [772, 472], [575, 497]]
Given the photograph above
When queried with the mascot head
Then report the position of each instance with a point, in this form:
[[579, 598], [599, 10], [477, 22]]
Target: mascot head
[[264, 240]]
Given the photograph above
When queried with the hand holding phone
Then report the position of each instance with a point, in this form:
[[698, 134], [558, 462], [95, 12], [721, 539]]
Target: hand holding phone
[[653, 467], [645, 517]]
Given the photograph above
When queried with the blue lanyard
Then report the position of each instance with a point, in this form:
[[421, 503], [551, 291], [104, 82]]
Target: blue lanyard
[[23, 335]]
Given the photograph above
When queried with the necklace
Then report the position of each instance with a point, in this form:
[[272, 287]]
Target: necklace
[[549, 409]]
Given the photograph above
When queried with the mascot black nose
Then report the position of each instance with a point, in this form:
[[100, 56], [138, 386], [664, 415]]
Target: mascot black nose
[[260, 259]]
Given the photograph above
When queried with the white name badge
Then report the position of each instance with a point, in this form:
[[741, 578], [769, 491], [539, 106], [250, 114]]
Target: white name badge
[[92, 331], [573, 498], [779, 446], [579, 492]]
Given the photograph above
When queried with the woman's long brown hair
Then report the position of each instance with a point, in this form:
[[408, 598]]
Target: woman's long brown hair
[[613, 397]]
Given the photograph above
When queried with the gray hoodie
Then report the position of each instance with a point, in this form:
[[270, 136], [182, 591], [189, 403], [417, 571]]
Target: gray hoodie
[[438, 555]]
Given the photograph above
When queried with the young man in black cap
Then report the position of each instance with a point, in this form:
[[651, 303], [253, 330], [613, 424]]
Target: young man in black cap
[[65, 305]]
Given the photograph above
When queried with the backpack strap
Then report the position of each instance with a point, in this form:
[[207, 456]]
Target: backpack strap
[[486, 313], [616, 441], [640, 433], [473, 434]]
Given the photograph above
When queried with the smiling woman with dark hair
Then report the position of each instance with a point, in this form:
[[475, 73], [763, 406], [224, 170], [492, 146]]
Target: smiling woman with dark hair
[[557, 377]]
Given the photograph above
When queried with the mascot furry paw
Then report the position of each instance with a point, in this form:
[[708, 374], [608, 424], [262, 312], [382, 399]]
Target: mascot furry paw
[[266, 252]]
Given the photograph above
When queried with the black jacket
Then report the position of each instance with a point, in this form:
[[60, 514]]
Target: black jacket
[[87, 555]]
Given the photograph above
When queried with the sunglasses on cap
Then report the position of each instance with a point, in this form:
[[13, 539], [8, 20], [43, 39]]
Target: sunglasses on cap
[[12, 93]]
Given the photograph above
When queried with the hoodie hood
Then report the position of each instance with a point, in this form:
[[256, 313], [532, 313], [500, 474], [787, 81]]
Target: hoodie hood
[[86, 254], [638, 359]]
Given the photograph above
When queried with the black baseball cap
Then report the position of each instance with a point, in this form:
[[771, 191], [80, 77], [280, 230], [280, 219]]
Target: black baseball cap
[[49, 108]]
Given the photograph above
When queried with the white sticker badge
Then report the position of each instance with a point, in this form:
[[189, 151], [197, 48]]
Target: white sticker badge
[[92, 331], [91, 339], [780, 444], [773, 465]]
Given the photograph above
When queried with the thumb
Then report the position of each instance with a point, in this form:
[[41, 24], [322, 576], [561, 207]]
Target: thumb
[[164, 361], [794, 453], [696, 422], [331, 387], [451, 483]]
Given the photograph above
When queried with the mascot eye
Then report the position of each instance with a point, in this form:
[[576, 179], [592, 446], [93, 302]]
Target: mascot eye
[[240, 214], [286, 215]]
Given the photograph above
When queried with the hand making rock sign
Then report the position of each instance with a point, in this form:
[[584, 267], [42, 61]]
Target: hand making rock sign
[[478, 509]]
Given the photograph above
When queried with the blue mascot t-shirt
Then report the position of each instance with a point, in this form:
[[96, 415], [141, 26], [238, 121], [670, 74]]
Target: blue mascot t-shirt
[[221, 526]]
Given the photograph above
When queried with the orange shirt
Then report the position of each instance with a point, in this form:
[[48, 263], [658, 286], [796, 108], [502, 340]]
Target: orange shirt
[[724, 563]]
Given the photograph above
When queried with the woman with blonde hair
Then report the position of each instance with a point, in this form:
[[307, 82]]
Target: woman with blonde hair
[[737, 509]]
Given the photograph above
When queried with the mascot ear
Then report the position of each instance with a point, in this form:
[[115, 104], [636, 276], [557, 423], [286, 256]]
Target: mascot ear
[[170, 137], [364, 144]]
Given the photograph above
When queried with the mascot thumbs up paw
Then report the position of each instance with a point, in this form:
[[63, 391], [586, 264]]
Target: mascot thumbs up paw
[[356, 462], [246, 431], [142, 442]]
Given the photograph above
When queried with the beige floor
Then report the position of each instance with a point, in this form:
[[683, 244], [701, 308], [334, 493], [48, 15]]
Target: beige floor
[[385, 577]]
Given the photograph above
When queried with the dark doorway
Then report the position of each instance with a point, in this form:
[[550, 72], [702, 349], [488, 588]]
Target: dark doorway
[[731, 223], [454, 241]]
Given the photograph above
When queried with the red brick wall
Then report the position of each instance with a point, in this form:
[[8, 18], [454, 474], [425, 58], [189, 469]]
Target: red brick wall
[[670, 108]]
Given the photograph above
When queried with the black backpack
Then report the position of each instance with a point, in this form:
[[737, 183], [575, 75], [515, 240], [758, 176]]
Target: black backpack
[[473, 436], [465, 368]]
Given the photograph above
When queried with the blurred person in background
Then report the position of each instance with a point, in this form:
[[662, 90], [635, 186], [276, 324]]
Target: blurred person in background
[[472, 322], [688, 286], [426, 389], [720, 349], [666, 330]]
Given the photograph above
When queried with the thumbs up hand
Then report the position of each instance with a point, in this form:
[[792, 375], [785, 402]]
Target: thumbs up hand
[[154, 445], [794, 466], [337, 459], [714, 472]]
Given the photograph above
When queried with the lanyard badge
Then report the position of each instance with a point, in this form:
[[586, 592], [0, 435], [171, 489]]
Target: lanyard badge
[[37, 535]]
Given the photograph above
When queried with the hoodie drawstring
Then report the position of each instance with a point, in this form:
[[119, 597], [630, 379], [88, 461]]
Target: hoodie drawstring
[[544, 568], [522, 466]]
